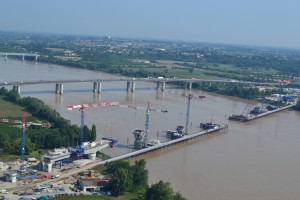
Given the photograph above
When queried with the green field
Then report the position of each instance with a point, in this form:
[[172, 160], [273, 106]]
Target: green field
[[126, 196], [11, 110]]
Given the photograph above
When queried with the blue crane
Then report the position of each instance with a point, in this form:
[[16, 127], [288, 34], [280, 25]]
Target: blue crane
[[23, 141]]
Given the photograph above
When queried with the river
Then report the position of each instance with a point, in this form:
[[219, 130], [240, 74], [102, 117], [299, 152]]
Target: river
[[257, 160]]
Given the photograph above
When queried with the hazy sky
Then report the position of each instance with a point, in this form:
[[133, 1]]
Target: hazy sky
[[254, 22]]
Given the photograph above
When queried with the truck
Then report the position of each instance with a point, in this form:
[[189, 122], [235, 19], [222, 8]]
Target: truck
[[160, 77]]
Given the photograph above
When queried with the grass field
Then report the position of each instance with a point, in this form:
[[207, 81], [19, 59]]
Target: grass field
[[126, 196], [10, 110]]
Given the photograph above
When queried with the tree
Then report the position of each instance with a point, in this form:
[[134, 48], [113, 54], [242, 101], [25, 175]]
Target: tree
[[94, 133], [159, 191], [140, 174], [121, 181], [178, 196]]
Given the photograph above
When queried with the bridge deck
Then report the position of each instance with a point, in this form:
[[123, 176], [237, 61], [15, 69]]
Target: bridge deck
[[164, 145]]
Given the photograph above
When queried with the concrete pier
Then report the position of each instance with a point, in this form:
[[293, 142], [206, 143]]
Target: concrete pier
[[59, 88], [128, 85], [190, 85], [157, 85], [95, 87], [17, 88], [99, 86], [163, 86], [132, 86]]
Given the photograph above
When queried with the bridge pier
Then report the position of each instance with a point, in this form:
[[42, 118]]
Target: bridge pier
[[132, 86], [157, 85], [163, 86], [59, 88], [190, 85], [185, 85], [99, 86], [23, 57], [17, 88], [36, 57], [6, 57], [128, 85], [95, 87]]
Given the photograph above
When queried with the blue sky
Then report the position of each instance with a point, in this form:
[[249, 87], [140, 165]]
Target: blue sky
[[252, 22]]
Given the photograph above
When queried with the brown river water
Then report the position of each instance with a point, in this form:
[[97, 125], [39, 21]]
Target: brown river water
[[257, 160]]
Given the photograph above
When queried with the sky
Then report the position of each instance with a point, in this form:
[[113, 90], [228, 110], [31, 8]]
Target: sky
[[251, 22]]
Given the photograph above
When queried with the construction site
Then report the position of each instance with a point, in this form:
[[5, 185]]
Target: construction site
[[74, 163]]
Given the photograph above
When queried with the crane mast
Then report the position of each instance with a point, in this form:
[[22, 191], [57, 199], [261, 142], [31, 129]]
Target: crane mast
[[23, 141], [82, 125], [82, 108], [190, 96], [147, 124]]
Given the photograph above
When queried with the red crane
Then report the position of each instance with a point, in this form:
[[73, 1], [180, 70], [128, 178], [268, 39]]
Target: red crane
[[82, 108]]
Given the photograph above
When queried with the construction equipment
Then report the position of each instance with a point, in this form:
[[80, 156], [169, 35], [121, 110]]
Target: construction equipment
[[189, 97], [82, 108], [148, 109], [117, 104], [23, 141]]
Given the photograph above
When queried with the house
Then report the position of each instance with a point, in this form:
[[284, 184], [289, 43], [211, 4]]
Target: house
[[91, 185]]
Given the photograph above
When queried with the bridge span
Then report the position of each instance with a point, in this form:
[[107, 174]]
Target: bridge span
[[19, 54], [130, 83]]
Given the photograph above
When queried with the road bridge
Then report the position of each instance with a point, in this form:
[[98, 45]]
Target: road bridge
[[130, 83], [19, 54]]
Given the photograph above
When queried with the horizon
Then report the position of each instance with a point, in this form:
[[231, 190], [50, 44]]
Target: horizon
[[153, 39], [270, 23]]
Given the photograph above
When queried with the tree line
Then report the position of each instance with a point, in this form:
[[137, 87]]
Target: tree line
[[61, 133], [134, 179]]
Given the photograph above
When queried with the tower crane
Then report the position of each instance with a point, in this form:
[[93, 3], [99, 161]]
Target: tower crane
[[189, 97], [82, 108], [23, 141], [148, 109]]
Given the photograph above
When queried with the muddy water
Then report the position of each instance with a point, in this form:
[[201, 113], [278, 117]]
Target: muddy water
[[257, 160]]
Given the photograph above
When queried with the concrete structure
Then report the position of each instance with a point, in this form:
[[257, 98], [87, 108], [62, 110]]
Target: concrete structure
[[165, 145], [129, 81], [139, 136], [35, 55], [17, 88], [90, 185], [59, 88]]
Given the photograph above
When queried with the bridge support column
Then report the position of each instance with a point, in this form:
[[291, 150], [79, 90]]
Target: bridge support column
[[190, 85], [185, 85], [17, 89], [95, 87], [92, 156], [5, 57], [36, 57], [132, 86], [23, 57], [128, 85], [99, 86], [157, 85], [61, 88], [163, 86], [57, 88]]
